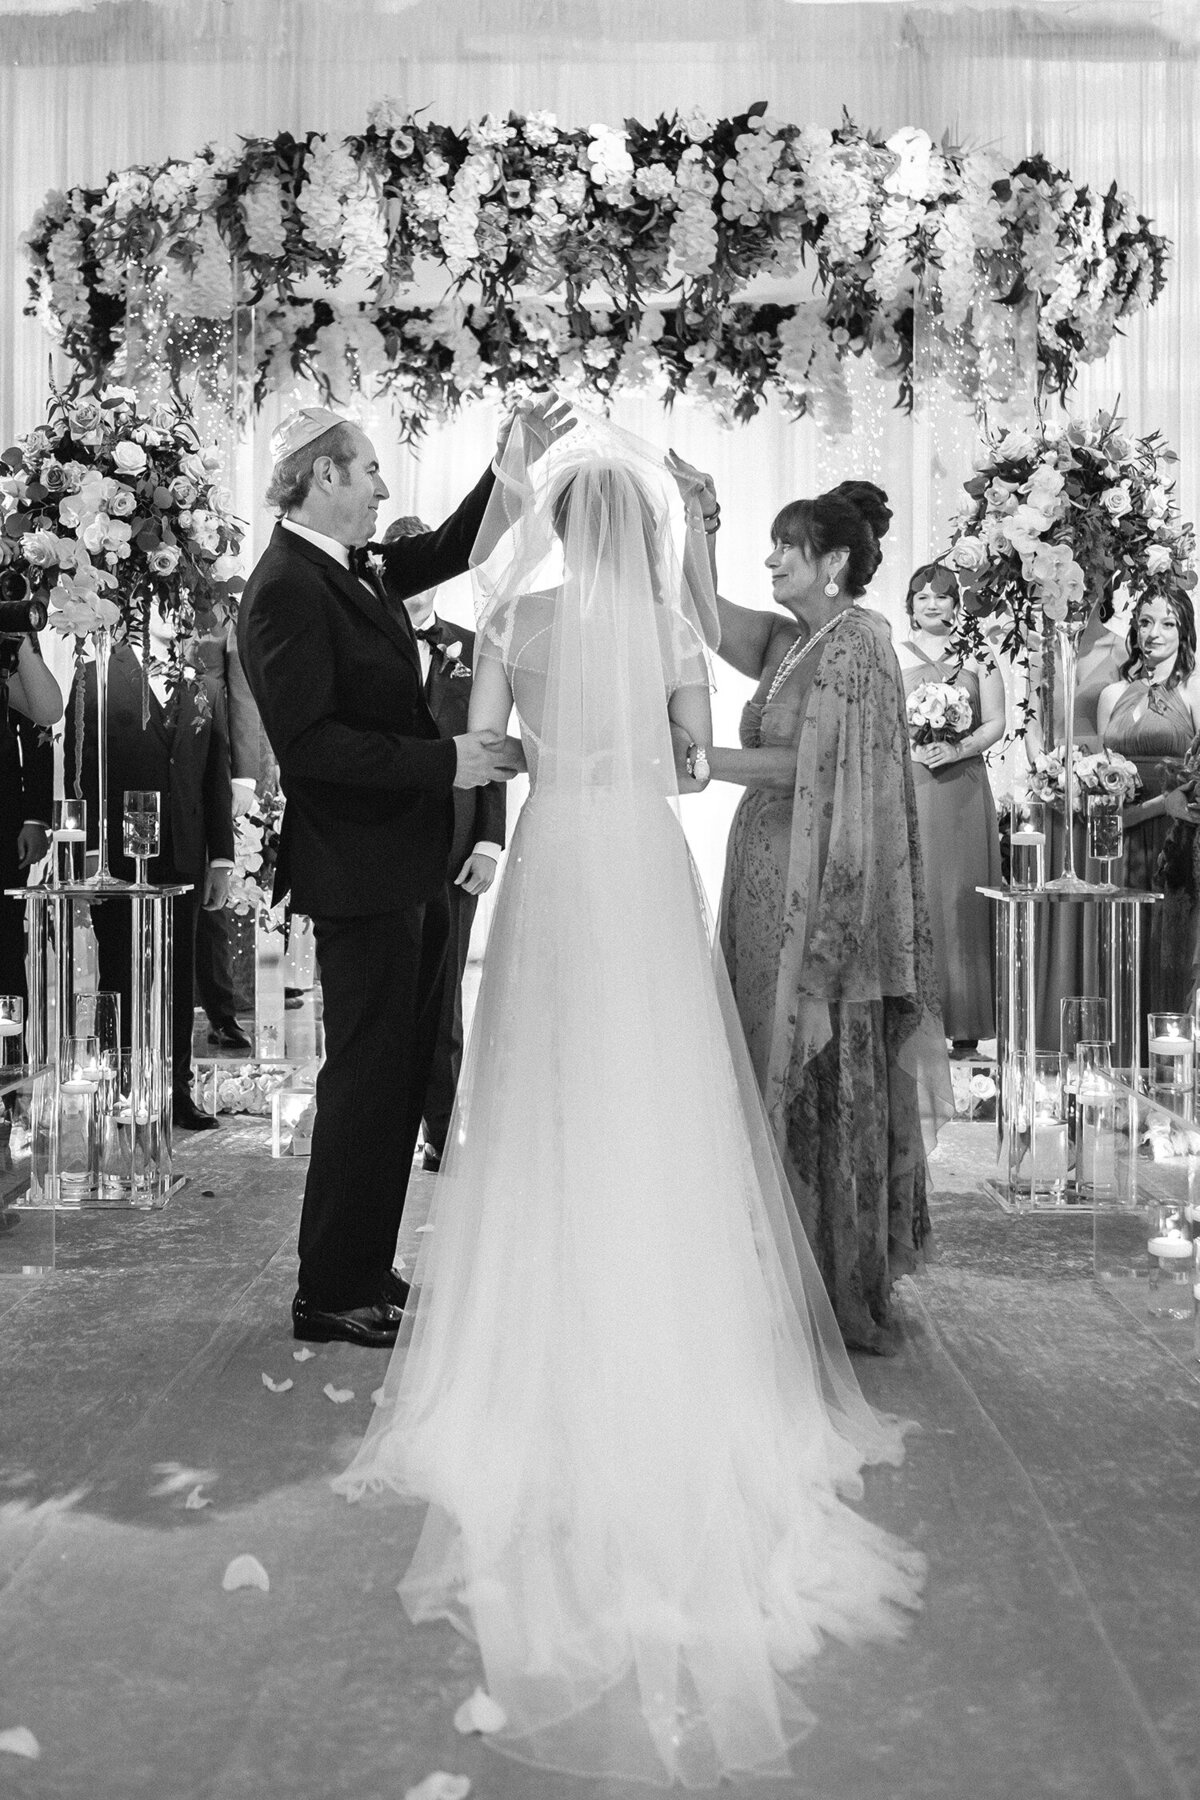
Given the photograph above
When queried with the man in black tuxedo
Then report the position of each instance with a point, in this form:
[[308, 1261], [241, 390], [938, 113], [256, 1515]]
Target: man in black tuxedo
[[183, 754], [447, 658], [365, 843]]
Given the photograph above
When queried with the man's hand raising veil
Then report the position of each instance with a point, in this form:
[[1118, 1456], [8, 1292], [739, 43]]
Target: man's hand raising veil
[[545, 422]]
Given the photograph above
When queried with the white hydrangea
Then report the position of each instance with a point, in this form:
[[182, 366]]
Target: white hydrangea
[[262, 211]]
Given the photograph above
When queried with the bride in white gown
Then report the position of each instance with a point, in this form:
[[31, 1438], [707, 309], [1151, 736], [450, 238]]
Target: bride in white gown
[[623, 1395]]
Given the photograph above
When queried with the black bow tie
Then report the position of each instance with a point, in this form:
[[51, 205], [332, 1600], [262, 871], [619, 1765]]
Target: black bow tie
[[432, 635]]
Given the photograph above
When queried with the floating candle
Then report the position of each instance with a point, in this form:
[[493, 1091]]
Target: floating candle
[[1171, 1046], [68, 835], [11, 1028], [1028, 838], [1170, 1249]]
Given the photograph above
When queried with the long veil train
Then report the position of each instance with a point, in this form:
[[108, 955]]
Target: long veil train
[[624, 1395]]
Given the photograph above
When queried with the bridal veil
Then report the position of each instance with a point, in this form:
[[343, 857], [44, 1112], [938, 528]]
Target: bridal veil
[[623, 1395]]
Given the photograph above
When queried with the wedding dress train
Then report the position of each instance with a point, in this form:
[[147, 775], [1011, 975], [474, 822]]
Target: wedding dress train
[[624, 1395]]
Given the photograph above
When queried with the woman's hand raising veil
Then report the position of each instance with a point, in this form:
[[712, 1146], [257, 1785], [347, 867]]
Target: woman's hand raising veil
[[697, 488]]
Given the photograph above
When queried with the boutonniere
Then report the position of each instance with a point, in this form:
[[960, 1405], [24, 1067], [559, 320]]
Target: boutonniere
[[452, 655]]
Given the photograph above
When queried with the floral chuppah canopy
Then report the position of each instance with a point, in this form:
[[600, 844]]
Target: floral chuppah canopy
[[597, 259]]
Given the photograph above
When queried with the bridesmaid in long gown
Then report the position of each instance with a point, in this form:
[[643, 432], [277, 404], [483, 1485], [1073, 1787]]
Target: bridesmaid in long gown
[[1151, 715], [960, 842], [823, 919]]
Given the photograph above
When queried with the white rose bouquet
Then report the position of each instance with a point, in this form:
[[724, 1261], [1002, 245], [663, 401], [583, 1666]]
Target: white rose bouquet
[[938, 713], [106, 510], [1057, 518], [1102, 773]]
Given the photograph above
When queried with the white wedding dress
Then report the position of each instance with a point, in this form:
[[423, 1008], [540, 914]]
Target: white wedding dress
[[624, 1396]]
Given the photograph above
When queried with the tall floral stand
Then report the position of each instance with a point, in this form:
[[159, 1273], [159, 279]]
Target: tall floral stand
[[133, 1165]]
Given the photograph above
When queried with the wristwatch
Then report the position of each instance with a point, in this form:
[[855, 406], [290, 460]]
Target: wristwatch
[[696, 764]]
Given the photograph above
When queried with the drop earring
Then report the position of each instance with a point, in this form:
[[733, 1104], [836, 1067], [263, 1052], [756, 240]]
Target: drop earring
[[831, 587]]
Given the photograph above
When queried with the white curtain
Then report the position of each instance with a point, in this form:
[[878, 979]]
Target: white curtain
[[1108, 92]]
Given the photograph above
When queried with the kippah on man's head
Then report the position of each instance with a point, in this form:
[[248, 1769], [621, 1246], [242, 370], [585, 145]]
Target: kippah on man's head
[[301, 428], [409, 526]]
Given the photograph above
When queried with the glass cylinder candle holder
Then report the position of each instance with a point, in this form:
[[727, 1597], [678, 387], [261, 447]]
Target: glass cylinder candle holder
[[141, 827], [1083, 1019], [77, 1159], [12, 1033], [1105, 833], [1169, 1247], [1027, 845], [1170, 1043], [1043, 1160], [1096, 1123], [68, 835], [98, 1015]]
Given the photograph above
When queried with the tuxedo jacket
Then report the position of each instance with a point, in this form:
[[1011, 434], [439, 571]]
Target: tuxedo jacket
[[26, 784], [217, 660], [479, 813], [183, 753], [334, 668]]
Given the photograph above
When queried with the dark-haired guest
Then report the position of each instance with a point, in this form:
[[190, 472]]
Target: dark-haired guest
[[1151, 715], [960, 841], [824, 925]]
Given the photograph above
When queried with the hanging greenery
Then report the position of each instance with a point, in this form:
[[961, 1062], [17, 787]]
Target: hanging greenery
[[595, 259]]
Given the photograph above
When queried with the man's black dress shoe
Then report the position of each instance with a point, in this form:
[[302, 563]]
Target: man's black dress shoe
[[188, 1116], [431, 1160], [374, 1326], [227, 1034], [395, 1290]]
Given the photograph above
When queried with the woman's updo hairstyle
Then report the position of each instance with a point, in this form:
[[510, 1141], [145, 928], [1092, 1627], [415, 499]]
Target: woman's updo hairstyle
[[853, 517]]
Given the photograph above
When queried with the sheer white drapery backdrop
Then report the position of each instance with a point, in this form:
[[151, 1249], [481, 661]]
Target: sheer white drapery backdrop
[[1105, 91]]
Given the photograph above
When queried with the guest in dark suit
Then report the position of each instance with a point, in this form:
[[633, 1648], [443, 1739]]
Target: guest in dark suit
[[365, 842], [447, 657], [220, 669], [183, 753], [26, 796]]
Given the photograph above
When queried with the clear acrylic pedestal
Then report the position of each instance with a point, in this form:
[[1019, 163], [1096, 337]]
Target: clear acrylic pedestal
[[26, 1228], [134, 1127], [1038, 1140]]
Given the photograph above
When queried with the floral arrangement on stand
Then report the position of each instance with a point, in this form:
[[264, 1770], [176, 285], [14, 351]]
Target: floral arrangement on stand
[[1104, 772], [599, 258], [108, 512], [1056, 521], [938, 712], [1058, 518]]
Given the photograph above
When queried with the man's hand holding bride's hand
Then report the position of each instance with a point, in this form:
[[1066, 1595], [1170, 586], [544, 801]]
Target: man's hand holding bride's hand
[[485, 756], [477, 873], [545, 421]]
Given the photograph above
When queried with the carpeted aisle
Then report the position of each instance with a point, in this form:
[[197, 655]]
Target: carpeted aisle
[[1053, 1487]]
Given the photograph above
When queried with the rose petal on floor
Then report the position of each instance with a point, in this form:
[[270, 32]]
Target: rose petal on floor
[[480, 1713], [339, 1396], [377, 1396], [277, 1387], [303, 1355], [196, 1500], [176, 1477], [18, 1740], [245, 1571], [440, 1786]]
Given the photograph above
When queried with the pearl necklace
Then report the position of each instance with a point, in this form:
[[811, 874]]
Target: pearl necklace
[[799, 651]]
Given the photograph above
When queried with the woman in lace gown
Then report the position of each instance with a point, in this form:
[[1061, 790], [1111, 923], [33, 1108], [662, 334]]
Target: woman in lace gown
[[823, 917], [960, 841], [1151, 715], [624, 1395]]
